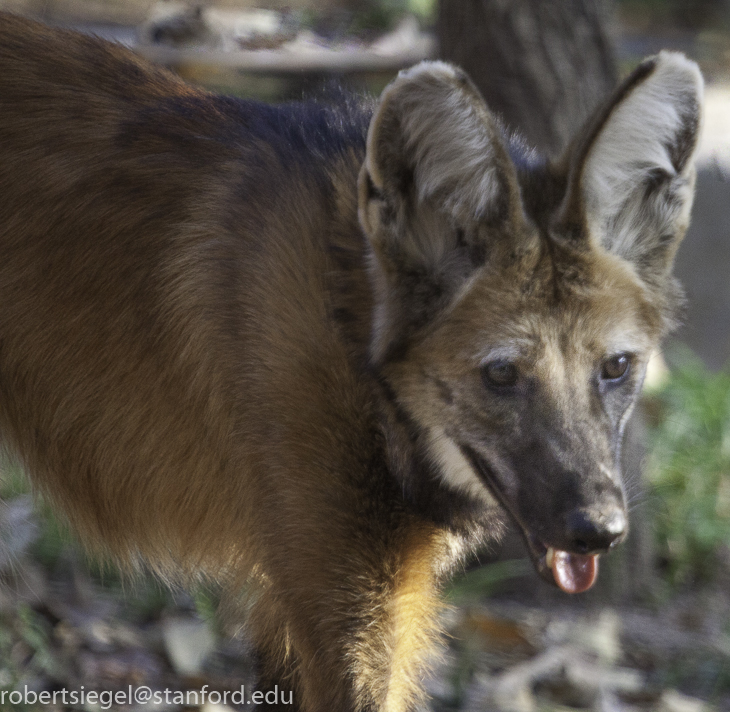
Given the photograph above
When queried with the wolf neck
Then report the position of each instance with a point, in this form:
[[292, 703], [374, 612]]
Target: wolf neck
[[412, 463], [408, 447]]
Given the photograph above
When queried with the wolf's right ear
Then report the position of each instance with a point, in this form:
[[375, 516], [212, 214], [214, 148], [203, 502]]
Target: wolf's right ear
[[436, 187]]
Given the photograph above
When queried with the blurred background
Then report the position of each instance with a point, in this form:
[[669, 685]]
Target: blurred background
[[654, 634]]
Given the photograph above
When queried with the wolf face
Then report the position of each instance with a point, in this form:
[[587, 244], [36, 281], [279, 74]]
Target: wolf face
[[519, 302]]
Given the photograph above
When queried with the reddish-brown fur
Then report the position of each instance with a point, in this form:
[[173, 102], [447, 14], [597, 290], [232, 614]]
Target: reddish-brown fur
[[211, 365]]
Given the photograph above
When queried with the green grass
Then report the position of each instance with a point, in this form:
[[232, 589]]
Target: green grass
[[688, 473]]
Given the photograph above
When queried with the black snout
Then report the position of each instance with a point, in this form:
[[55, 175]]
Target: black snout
[[590, 531]]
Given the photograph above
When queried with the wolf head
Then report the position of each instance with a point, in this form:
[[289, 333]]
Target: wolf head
[[518, 301]]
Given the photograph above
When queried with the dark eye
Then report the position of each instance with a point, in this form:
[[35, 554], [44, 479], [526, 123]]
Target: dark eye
[[616, 367], [500, 374]]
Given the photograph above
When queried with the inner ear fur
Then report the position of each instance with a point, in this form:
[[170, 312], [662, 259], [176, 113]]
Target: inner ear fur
[[433, 141], [632, 172]]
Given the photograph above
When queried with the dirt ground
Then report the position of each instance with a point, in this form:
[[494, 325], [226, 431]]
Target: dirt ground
[[507, 648]]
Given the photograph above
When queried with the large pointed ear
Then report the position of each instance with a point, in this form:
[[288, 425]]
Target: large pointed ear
[[632, 176], [436, 181]]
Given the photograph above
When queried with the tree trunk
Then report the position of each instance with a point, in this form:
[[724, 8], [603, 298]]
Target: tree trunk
[[542, 65]]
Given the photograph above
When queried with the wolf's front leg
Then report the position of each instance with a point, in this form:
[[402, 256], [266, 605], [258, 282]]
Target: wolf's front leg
[[352, 634]]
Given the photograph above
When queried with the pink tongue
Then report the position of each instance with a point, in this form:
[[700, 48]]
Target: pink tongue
[[574, 573]]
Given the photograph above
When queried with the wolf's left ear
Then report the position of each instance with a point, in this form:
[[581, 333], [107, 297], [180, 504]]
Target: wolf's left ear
[[432, 137], [631, 179], [437, 191]]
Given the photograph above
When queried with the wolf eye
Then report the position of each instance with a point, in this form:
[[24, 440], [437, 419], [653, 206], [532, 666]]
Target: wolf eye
[[616, 367], [500, 374]]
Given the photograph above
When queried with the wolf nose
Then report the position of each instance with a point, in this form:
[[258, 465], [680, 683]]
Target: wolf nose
[[591, 531]]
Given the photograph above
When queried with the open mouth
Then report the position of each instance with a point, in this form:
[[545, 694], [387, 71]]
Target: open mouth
[[571, 572]]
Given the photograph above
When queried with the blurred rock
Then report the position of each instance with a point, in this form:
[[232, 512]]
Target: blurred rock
[[188, 643], [179, 24], [406, 37], [673, 701]]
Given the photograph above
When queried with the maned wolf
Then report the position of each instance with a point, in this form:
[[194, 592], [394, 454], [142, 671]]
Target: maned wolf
[[323, 353]]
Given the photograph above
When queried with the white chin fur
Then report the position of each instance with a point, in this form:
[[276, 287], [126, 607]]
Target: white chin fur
[[454, 468]]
